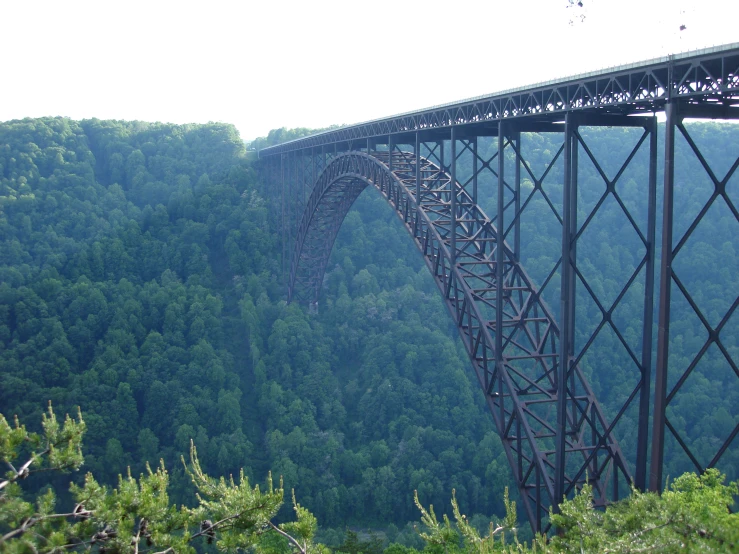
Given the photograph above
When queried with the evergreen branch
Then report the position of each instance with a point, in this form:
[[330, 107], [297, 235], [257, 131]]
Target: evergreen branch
[[137, 537], [213, 526], [78, 544], [24, 471], [653, 528], [31, 521], [289, 537]]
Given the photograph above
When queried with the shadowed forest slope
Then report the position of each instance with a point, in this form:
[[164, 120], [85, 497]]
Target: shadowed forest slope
[[140, 280]]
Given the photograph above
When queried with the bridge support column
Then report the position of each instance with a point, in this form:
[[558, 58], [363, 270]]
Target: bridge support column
[[417, 154], [499, 273], [516, 138], [441, 156], [640, 475], [473, 148], [283, 222], [390, 148], [294, 192], [499, 252], [665, 282], [299, 181], [453, 193], [567, 298], [313, 162]]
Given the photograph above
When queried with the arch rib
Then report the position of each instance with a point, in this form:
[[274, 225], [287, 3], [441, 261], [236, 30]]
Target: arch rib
[[521, 390]]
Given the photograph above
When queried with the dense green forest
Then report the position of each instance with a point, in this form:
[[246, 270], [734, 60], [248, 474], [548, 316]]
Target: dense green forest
[[140, 280], [228, 515], [141, 283]]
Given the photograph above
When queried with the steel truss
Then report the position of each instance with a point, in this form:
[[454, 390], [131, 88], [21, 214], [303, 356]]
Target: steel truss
[[429, 166], [706, 78], [671, 247], [554, 441]]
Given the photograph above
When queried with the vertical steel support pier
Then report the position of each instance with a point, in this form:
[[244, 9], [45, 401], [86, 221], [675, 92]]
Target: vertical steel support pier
[[567, 299], [453, 186], [665, 282], [640, 474], [500, 260]]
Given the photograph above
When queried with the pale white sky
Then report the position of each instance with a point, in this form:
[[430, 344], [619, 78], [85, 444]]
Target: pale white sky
[[267, 64]]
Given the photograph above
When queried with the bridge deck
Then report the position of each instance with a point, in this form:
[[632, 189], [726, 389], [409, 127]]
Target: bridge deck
[[706, 80]]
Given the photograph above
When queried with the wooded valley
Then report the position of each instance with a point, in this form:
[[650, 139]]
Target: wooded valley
[[140, 280]]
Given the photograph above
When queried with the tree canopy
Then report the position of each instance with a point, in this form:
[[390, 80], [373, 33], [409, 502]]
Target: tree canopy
[[140, 279]]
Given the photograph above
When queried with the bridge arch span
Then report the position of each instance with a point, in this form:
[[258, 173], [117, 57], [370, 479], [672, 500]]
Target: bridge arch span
[[334, 193], [510, 336]]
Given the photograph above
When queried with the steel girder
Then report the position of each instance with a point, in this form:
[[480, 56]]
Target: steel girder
[[707, 78], [555, 434]]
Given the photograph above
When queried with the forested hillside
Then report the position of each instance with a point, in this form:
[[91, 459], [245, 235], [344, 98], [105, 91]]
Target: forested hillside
[[140, 280]]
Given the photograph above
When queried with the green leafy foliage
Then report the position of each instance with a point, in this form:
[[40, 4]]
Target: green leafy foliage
[[141, 279], [691, 515], [141, 282], [460, 536], [301, 532], [138, 513], [236, 510], [58, 448]]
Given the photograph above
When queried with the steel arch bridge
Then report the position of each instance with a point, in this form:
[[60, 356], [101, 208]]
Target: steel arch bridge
[[429, 165]]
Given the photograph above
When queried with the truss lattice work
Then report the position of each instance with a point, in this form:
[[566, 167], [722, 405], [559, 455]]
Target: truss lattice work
[[526, 359]]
